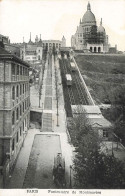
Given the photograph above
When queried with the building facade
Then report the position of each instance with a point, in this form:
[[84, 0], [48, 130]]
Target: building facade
[[14, 106], [54, 44], [88, 36], [32, 51]]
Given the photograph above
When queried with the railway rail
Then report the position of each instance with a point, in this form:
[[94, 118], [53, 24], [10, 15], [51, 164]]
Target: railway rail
[[80, 89], [76, 92]]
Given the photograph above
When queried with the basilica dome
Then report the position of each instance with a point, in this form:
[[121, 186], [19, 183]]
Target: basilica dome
[[101, 29], [89, 18]]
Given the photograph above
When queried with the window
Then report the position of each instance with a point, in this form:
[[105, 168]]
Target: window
[[17, 69], [20, 131], [23, 126], [27, 72], [20, 89], [13, 92], [20, 70], [23, 71], [17, 91], [23, 88], [13, 118], [25, 122], [17, 137], [13, 145], [17, 114], [28, 87], [39, 57], [23, 106], [20, 110], [27, 103], [105, 133], [13, 69]]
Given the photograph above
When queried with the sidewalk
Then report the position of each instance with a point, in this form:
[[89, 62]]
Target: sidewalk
[[16, 181]]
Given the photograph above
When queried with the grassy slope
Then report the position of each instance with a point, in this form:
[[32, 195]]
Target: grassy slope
[[102, 73]]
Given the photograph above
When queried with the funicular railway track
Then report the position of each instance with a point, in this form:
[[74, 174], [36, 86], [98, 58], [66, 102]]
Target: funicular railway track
[[73, 94], [80, 89], [76, 91], [69, 89]]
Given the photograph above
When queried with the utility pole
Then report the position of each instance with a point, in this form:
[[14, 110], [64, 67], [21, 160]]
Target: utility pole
[[39, 95]]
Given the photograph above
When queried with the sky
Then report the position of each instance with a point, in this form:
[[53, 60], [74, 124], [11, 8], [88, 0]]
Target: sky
[[55, 18]]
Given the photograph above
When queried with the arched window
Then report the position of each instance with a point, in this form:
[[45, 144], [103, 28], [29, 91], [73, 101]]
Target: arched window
[[99, 49], [90, 49]]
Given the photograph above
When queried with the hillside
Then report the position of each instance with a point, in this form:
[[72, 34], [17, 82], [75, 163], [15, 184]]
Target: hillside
[[103, 74]]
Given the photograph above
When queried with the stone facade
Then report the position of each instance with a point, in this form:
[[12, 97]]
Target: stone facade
[[54, 44], [14, 106]]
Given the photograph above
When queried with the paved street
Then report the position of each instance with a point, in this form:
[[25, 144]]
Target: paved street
[[41, 161]]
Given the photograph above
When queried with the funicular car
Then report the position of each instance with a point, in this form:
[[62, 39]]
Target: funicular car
[[68, 80], [59, 171]]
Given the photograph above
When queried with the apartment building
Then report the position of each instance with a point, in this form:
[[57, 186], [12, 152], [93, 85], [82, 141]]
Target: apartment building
[[14, 106]]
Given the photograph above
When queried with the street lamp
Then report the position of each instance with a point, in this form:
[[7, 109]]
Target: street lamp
[[39, 96], [53, 126]]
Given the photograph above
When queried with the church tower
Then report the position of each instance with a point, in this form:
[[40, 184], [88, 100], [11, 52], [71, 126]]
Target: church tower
[[63, 42]]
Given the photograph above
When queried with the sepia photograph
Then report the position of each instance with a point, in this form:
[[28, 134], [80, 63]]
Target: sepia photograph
[[62, 97]]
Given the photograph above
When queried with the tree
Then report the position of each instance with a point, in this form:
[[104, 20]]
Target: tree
[[92, 168]]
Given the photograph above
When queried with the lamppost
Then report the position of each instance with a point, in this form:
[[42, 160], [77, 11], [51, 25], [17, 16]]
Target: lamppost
[[39, 95], [42, 108], [53, 126], [70, 183]]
